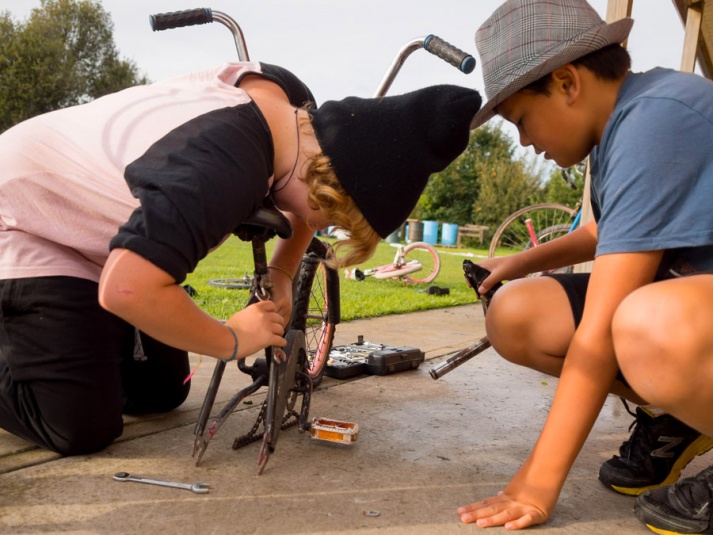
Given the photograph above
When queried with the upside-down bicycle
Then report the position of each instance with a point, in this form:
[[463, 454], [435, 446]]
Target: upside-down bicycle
[[315, 312]]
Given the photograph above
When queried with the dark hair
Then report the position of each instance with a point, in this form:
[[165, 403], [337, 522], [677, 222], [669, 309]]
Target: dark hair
[[609, 63]]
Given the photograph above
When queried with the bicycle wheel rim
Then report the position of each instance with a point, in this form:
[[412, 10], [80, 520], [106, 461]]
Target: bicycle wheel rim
[[428, 256], [312, 315], [242, 283], [512, 236], [318, 330]]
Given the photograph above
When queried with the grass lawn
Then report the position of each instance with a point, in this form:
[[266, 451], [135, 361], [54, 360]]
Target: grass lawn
[[359, 299]]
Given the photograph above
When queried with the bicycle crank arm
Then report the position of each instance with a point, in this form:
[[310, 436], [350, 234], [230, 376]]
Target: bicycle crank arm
[[283, 376]]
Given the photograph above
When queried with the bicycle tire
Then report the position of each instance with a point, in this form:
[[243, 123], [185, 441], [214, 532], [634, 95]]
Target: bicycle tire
[[316, 309], [512, 234], [428, 256], [242, 283], [549, 234]]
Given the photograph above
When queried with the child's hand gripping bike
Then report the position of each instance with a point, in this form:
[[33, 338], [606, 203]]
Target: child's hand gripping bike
[[316, 307], [417, 262]]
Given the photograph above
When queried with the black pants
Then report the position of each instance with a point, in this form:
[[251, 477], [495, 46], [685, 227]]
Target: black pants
[[68, 368]]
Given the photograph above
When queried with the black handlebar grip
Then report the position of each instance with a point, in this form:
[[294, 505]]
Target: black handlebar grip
[[449, 53], [178, 19]]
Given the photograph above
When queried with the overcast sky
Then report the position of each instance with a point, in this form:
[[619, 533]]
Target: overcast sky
[[344, 47]]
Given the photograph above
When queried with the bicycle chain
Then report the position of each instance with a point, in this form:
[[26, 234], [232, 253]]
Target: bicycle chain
[[253, 436]]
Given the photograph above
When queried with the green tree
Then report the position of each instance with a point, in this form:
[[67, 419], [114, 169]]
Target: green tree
[[483, 185], [64, 54]]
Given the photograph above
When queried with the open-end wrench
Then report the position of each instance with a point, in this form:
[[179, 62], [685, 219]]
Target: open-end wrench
[[198, 488]]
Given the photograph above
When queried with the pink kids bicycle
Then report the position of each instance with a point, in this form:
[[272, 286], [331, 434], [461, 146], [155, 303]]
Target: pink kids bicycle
[[415, 263]]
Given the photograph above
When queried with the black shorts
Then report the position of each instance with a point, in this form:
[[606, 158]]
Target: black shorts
[[68, 368], [575, 286]]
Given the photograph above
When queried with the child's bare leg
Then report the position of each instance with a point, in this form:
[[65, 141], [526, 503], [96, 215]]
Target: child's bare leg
[[663, 337], [530, 323]]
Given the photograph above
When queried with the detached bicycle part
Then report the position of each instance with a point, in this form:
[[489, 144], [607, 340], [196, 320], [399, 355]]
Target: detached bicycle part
[[281, 382], [474, 277], [334, 431], [201, 15], [436, 46], [464, 355]]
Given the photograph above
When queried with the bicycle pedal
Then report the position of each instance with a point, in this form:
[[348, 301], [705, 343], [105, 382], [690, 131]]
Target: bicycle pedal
[[334, 431]]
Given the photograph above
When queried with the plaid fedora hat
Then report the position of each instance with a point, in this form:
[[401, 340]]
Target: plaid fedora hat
[[524, 40]]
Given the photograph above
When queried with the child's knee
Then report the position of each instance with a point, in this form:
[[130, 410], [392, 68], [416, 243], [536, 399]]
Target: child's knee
[[658, 345], [647, 324], [511, 311]]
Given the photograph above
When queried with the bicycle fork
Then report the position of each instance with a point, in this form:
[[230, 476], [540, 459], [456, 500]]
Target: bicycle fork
[[285, 379], [282, 378]]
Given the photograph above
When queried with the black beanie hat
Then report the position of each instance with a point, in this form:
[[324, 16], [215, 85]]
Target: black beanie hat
[[383, 150]]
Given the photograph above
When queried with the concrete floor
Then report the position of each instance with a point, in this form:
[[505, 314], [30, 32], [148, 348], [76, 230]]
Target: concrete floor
[[425, 448]]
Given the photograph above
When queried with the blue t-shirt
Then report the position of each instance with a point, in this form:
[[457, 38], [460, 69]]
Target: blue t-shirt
[[652, 174]]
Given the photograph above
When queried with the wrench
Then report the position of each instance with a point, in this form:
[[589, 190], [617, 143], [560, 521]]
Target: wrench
[[198, 488]]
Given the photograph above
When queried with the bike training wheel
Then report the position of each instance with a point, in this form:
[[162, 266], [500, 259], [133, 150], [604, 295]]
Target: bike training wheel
[[512, 236], [428, 256], [242, 283], [316, 308]]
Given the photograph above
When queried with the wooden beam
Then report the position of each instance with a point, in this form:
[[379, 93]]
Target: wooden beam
[[703, 43], [618, 9], [694, 16]]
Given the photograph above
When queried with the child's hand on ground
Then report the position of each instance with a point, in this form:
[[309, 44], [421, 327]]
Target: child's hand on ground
[[257, 327], [502, 510]]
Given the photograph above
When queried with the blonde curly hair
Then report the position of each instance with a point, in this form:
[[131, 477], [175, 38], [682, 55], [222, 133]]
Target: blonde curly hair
[[326, 194]]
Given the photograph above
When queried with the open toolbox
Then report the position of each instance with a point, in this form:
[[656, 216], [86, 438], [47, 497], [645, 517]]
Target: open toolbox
[[371, 358]]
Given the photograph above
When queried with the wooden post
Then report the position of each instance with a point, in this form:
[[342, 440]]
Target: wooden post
[[694, 18]]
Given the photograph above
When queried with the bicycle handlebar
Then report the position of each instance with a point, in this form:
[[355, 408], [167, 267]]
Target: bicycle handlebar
[[201, 15], [449, 53], [463, 61], [179, 19]]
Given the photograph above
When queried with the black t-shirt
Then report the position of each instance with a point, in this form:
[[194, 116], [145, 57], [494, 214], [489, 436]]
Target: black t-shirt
[[202, 180]]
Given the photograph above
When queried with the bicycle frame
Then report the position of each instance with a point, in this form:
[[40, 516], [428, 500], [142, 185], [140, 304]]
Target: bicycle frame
[[403, 267], [397, 269]]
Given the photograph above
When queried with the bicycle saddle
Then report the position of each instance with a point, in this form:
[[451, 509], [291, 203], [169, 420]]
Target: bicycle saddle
[[265, 222]]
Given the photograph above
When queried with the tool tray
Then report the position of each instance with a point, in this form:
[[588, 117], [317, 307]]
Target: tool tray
[[371, 358]]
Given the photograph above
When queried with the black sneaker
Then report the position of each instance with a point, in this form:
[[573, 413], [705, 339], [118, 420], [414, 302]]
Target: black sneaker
[[658, 449], [681, 508]]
